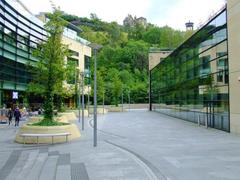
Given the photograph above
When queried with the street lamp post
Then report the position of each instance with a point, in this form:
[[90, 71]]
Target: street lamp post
[[79, 97], [82, 78], [95, 48], [88, 100], [129, 100]]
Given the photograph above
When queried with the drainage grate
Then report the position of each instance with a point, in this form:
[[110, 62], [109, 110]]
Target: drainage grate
[[53, 153], [79, 172]]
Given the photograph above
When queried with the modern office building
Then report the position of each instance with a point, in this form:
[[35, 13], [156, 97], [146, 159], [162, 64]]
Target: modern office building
[[200, 80], [20, 34]]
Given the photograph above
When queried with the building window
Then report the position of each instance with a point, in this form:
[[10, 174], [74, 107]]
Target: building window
[[72, 64], [73, 53], [220, 76]]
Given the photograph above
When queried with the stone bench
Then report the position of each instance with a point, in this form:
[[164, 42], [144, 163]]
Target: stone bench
[[45, 135], [3, 118]]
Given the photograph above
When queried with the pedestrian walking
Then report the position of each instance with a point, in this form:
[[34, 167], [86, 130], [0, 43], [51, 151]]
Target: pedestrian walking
[[17, 115], [10, 116]]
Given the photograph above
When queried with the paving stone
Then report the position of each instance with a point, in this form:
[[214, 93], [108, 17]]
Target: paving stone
[[63, 172], [64, 159], [53, 153], [28, 165], [18, 166], [49, 168], [9, 165], [34, 173]]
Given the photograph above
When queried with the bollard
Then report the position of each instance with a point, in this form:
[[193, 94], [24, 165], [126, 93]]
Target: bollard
[[222, 118], [206, 122], [199, 120]]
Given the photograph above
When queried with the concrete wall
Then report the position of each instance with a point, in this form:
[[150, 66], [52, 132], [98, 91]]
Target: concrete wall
[[78, 47], [154, 58], [82, 50], [233, 8]]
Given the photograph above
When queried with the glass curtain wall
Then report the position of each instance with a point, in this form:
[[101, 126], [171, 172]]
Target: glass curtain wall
[[19, 36], [192, 82]]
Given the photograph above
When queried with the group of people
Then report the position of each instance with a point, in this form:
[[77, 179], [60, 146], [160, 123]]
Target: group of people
[[14, 113]]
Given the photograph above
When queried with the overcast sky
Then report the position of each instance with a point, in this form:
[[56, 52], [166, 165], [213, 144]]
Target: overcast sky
[[174, 13]]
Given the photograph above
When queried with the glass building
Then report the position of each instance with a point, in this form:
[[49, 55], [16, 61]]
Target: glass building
[[192, 83], [20, 34]]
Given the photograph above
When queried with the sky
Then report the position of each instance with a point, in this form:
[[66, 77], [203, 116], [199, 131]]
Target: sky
[[174, 13]]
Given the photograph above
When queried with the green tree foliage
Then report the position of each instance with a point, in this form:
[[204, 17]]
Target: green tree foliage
[[123, 60], [100, 86], [50, 74]]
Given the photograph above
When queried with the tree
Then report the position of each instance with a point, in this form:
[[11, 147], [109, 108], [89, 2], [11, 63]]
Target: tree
[[125, 53], [117, 89], [153, 35], [50, 70], [100, 86]]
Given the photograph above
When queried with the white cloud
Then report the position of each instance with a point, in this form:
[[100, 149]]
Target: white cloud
[[164, 12], [195, 11], [108, 10]]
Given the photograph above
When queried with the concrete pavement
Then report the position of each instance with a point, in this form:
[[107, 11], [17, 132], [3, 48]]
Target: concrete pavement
[[136, 145]]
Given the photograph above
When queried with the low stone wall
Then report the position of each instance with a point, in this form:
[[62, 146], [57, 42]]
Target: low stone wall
[[67, 116], [116, 109], [76, 112], [64, 117], [99, 110]]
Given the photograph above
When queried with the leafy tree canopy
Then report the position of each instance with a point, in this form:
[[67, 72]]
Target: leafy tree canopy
[[123, 60]]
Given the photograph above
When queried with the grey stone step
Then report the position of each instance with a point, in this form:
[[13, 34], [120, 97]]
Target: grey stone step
[[18, 166], [49, 169], [63, 172], [26, 169], [35, 172]]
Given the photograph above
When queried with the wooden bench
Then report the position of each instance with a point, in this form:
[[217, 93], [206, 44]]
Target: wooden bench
[[45, 135]]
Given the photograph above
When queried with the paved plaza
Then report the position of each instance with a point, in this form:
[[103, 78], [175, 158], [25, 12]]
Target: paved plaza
[[135, 145]]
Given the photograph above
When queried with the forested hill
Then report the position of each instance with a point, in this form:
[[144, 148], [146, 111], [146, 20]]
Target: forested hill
[[123, 60]]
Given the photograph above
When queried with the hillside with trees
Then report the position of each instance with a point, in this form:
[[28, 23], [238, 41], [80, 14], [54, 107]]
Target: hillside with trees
[[123, 60]]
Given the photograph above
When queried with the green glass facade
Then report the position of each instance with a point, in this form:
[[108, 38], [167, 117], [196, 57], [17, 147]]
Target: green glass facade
[[192, 82], [19, 36]]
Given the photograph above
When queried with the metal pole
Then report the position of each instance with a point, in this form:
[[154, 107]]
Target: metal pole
[[103, 102], [206, 118], [129, 101], [122, 101], [88, 101], [222, 118], [199, 120], [95, 100], [82, 75], [79, 111]]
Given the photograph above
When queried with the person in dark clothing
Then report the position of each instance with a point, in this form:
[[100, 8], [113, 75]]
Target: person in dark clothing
[[10, 115], [17, 115]]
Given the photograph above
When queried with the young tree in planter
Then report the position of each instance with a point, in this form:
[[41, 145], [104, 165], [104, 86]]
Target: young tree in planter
[[50, 70]]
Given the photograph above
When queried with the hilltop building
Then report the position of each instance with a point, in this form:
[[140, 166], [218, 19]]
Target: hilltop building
[[131, 21]]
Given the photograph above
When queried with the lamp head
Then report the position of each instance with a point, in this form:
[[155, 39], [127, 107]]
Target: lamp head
[[95, 46]]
